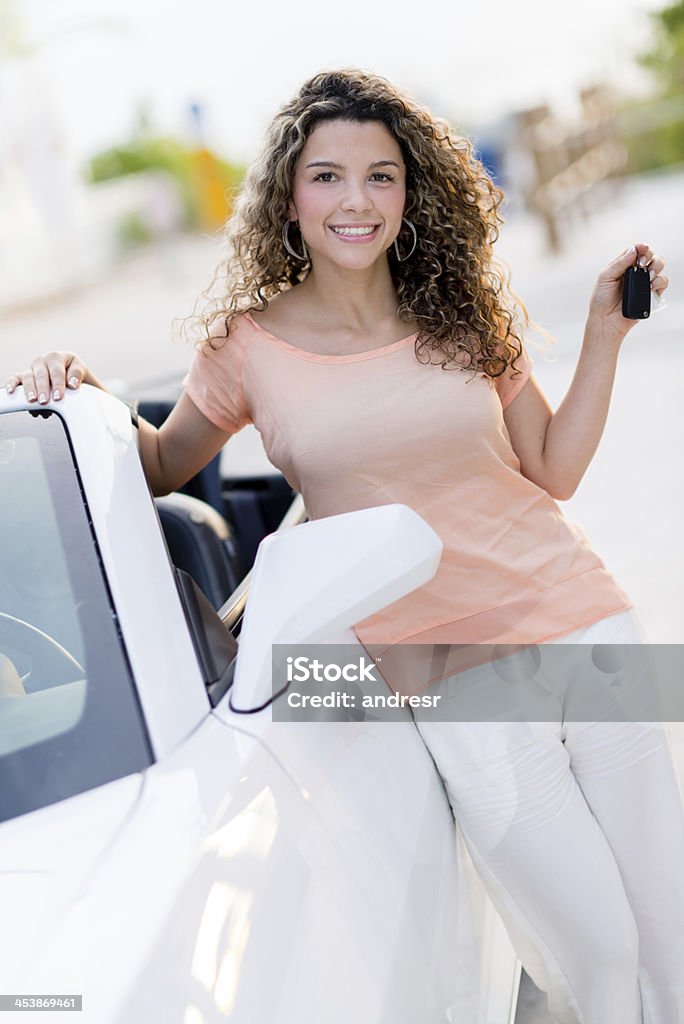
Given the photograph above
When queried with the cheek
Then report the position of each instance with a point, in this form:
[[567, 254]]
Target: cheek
[[311, 204], [399, 202], [391, 204]]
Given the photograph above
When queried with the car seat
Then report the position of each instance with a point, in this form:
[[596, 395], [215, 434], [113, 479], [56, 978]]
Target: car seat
[[201, 543]]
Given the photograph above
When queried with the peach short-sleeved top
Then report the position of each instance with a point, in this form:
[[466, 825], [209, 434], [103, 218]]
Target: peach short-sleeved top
[[371, 428]]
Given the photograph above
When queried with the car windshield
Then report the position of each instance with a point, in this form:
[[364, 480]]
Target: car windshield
[[69, 715]]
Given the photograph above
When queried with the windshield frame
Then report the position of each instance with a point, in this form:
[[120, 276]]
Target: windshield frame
[[110, 739]]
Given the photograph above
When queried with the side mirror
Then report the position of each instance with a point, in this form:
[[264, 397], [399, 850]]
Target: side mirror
[[311, 583]]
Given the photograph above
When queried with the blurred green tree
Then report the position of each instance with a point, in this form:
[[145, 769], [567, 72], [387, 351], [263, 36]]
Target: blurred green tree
[[657, 138], [666, 58], [146, 152]]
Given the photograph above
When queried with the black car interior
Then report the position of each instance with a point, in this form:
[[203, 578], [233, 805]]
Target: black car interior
[[213, 526]]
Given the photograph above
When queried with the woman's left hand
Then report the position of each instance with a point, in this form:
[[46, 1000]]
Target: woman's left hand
[[606, 301]]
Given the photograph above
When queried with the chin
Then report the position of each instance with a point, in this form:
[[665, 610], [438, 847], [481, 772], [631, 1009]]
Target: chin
[[357, 261]]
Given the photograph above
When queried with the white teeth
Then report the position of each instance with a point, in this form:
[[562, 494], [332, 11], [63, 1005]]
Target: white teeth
[[354, 231]]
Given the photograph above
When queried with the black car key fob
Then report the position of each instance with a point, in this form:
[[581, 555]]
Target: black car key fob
[[636, 293]]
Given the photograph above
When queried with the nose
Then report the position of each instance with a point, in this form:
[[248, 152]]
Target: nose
[[356, 197]]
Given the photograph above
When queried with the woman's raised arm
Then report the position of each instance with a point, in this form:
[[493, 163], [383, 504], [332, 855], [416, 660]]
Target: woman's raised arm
[[555, 449], [170, 455]]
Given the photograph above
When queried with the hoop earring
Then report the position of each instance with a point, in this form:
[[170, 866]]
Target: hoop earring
[[286, 243], [401, 259]]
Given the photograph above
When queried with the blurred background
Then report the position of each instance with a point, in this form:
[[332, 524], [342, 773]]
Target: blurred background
[[125, 129]]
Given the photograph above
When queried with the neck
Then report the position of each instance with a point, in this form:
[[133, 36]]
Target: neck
[[352, 300]]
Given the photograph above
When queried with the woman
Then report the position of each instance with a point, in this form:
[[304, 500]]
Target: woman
[[359, 270]]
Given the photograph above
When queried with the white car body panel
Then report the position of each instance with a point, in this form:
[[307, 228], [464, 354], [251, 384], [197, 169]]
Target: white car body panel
[[44, 858], [259, 871]]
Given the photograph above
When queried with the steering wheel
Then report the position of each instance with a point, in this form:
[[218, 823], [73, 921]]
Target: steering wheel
[[41, 647]]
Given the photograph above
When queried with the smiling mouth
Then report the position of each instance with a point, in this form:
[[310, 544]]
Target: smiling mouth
[[365, 231]]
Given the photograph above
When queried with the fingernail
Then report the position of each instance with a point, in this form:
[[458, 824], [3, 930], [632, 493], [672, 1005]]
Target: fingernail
[[42, 397], [31, 396], [642, 261], [56, 395], [651, 274], [73, 382]]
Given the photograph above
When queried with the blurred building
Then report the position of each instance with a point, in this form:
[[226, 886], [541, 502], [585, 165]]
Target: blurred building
[[566, 166]]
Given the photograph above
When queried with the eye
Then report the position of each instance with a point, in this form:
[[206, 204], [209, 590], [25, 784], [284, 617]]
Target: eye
[[382, 176], [324, 176]]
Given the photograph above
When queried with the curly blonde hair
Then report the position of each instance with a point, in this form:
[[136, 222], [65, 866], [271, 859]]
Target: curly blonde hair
[[451, 286]]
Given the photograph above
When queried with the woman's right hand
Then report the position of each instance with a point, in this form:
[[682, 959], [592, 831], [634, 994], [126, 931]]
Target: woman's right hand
[[51, 373]]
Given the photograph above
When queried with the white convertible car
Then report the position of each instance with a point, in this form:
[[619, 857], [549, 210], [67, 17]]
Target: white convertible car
[[168, 852]]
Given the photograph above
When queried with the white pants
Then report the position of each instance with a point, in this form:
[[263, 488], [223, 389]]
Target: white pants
[[577, 831]]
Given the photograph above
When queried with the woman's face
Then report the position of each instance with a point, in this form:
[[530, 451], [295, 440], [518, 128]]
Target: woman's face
[[349, 192]]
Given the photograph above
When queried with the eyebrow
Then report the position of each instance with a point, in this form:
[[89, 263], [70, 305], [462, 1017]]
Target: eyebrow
[[339, 167]]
